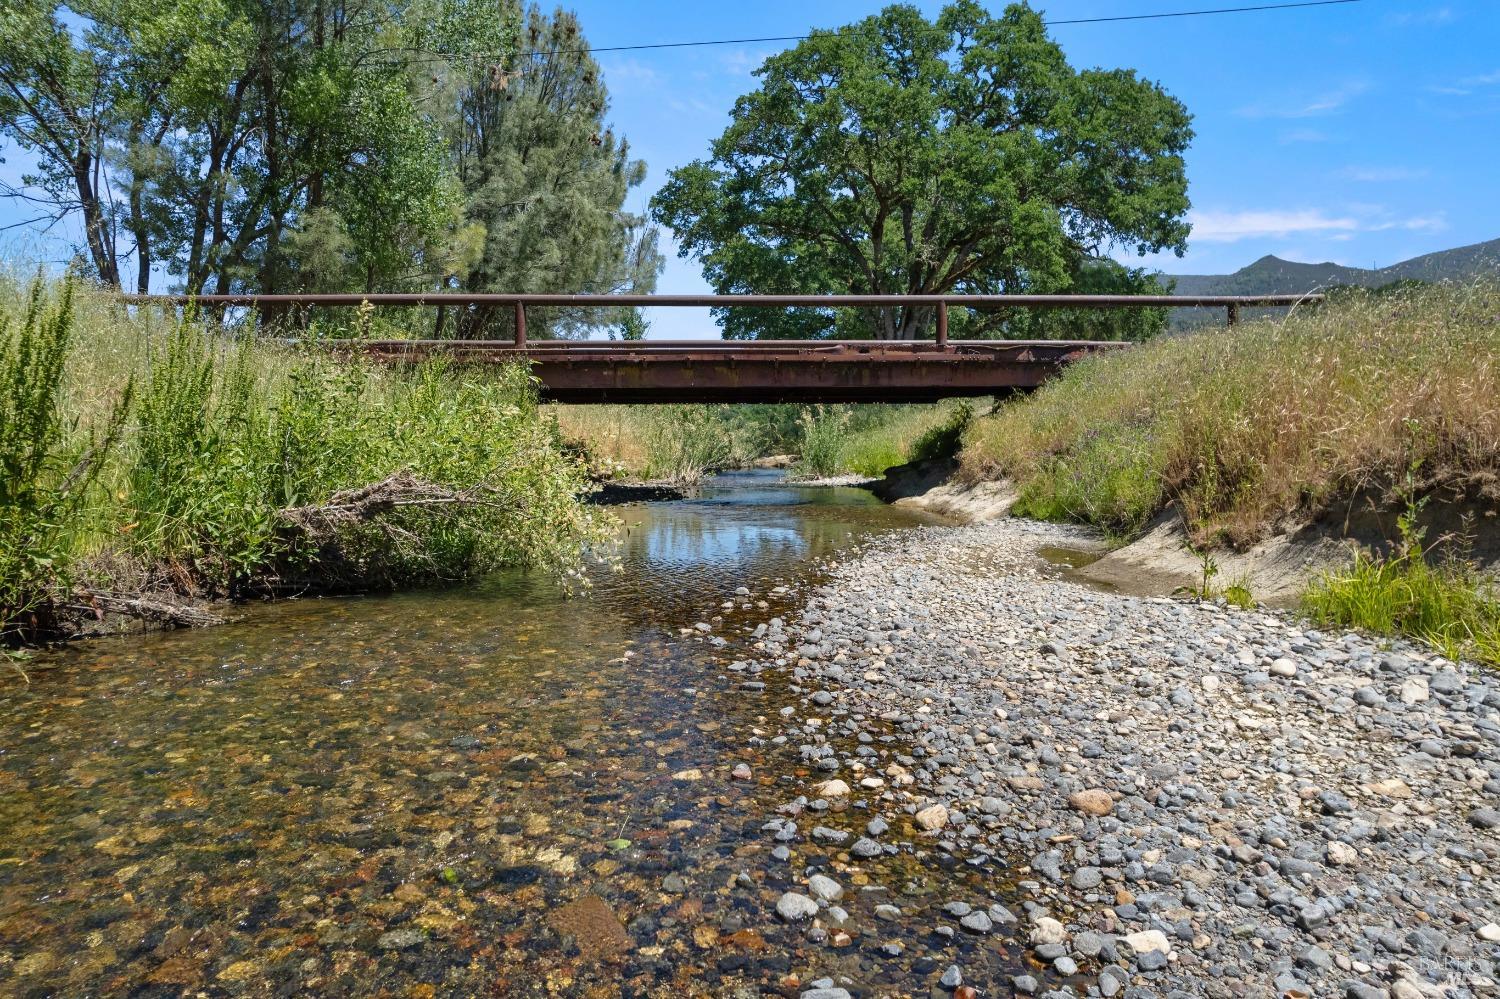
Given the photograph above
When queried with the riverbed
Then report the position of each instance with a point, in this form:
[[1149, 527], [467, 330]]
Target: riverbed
[[494, 790]]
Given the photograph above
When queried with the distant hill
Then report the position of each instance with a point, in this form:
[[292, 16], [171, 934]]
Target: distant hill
[[1270, 275]]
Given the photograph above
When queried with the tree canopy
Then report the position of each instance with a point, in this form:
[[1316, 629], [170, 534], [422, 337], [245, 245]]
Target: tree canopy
[[323, 145], [902, 155], [546, 180]]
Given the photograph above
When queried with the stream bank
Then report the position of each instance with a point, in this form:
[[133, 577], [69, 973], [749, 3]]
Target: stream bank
[[1193, 800]]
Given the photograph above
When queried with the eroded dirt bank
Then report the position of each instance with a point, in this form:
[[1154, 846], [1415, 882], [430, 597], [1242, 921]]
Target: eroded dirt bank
[[1197, 800]]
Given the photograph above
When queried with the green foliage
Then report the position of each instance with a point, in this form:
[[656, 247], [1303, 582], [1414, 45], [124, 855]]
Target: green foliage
[[1111, 478], [868, 440], [48, 463], [824, 429], [198, 484], [546, 180], [902, 155], [944, 439], [243, 466], [1449, 605], [245, 145], [684, 442]]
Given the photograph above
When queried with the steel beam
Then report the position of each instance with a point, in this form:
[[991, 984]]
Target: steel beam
[[863, 371]]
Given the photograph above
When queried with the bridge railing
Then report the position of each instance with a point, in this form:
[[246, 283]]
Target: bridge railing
[[518, 304]]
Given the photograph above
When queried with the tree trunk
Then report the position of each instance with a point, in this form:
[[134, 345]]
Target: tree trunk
[[95, 227]]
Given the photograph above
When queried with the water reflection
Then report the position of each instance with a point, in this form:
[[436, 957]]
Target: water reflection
[[402, 795]]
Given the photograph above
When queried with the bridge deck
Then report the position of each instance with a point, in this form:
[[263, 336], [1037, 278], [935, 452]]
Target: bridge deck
[[740, 370], [761, 371]]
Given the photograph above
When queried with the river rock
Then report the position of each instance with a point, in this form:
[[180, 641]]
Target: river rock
[[1092, 801], [793, 906], [932, 818]]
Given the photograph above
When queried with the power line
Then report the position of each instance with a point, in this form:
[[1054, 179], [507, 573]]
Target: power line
[[1077, 20]]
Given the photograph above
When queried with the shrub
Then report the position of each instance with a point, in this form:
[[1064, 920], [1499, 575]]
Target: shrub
[[249, 466], [48, 462]]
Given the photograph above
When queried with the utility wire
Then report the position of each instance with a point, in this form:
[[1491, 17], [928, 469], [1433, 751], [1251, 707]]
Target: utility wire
[[1077, 20]]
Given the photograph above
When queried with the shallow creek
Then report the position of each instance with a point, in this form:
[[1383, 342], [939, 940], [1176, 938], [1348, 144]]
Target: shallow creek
[[493, 790]]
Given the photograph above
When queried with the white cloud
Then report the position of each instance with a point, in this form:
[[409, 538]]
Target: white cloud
[[618, 70], [1467, 85], [1431, 16], [1303, 135], [1380, 175], [1420, 223], [1234, 226], [1322, 104], [1231, 227]]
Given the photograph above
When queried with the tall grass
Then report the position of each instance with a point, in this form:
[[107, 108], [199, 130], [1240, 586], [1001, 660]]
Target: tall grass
[[868, 439], [1446, 603], [678, 443], [141, 450], [1241, 429]]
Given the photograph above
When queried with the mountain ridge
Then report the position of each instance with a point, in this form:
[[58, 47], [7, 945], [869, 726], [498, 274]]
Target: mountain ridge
[[1271, 275]]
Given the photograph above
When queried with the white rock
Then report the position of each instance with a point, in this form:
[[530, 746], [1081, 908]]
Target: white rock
[[1046, 930], [1341, 854], [1284, 667], [832, 789], [1147, 940], [932, 818], [1490, 932], [824, 888], [1414, 690], [793, 906]]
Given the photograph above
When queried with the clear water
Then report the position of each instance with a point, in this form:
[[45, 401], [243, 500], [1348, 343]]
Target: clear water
[[428, 793]]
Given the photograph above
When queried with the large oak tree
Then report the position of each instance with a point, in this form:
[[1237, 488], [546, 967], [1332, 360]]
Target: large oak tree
[[902, 155]]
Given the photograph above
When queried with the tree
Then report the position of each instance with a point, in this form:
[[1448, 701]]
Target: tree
[[246, 145], [546, 179], [901, 155]]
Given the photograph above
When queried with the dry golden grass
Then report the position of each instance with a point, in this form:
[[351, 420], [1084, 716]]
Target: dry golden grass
[[1241, 429]]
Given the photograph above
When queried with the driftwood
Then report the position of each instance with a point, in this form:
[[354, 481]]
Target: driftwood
[[158, 609], [321, 522]]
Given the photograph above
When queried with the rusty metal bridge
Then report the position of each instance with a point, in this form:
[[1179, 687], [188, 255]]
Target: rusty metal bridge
[[650, 371]]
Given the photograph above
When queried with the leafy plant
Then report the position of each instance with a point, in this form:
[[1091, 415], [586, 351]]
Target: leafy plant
[[943, 440], [824, 429], [1445, 602], [48, 463]]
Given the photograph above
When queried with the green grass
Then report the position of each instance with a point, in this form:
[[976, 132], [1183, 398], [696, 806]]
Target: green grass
[[1450, 606], [868, 439], [1444, 602], [675, 443], [1242, 429], [145, 453]]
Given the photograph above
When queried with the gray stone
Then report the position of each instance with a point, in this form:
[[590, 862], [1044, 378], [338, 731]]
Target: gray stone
[[793, 906]]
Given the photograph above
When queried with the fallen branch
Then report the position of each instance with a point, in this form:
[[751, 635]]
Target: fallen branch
[[348, 507], [158, 610]]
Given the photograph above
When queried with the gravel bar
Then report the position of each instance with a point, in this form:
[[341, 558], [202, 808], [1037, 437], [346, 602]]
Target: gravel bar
[[1198, 801]]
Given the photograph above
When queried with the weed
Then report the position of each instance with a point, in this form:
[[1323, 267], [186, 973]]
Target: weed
[[1448, 603]]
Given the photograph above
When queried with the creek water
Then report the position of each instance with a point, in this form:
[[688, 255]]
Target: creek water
[[491, 790]]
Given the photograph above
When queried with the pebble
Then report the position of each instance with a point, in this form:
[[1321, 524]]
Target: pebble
[[932, 818], [824, 888], [793, 906], [1209, 826]]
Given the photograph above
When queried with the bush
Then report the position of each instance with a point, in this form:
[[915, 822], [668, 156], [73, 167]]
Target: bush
[[821, 447], [247, 466], [47, 462]]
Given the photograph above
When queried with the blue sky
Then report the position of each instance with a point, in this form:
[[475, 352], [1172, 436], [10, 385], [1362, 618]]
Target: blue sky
[[1365, 133]]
